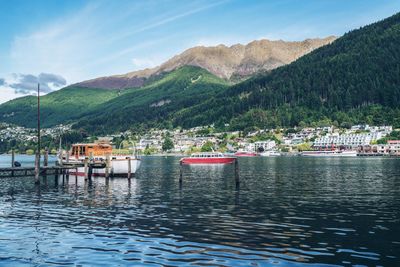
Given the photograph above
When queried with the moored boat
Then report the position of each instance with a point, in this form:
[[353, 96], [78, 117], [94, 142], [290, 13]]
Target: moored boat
[[329, 153], [246, 154], [97, 154], [270, 153], [208, 158]]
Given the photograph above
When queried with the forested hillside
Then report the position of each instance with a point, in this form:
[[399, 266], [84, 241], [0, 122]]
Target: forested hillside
[[355, 79], [154, 104], [63, 106]]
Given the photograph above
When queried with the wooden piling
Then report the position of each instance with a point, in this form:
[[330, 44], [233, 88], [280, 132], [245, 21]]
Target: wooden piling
[[12, 158], [129, 168], [237, 181], [46, 160], [12, 161], [90, 172], [37, 167], [86, 168], [180, 173], [108, 163]]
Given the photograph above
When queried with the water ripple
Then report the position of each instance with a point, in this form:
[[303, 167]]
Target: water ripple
[[288, 211]]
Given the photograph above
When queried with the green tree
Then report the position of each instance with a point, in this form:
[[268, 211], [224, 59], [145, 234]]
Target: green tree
[[207, 147], [168, 144]]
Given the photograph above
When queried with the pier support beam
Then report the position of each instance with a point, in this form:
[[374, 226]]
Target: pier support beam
[[12, 158], [12, 161], [37, 168], [108, 163], [86, 168], [237, 180], [180, 173]]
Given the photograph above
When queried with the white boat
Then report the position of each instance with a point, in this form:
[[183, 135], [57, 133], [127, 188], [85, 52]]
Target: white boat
[[97, 154], [270, 153], [329, 153]]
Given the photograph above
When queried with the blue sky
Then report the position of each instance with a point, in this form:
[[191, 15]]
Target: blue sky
[[70, 41]]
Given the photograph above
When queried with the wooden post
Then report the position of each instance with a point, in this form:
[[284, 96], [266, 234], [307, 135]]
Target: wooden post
[[12, 158], [237, 181], [37, 167], [180, 173], [46, 160], [129, 168], [86, 168], [107, 166], [90, 172], [12, 161], [56, 177]]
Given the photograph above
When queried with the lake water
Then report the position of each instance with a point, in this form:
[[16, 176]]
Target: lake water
[[289, 211]]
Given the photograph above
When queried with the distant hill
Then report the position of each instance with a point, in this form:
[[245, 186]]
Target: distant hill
[[153, 104], [62, 106], [230, 63], [103, 110], [355, 79]]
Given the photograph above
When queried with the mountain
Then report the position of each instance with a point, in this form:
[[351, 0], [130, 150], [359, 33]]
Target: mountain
[[230, 63], [355, 79]]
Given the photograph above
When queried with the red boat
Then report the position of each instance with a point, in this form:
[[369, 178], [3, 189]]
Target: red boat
[[246, 154], [208, 158]]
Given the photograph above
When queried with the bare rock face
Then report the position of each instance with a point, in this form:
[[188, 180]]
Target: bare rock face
[[223, 61]]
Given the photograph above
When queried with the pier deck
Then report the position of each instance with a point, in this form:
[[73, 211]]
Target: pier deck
[[30, 171]]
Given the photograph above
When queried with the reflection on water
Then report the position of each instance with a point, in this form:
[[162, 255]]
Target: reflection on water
[[288, 211]]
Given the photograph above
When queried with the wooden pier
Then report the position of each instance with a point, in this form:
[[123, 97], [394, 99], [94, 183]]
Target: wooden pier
[[30, 171]]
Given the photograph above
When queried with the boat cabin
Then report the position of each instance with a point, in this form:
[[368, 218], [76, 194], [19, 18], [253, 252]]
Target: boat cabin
[[85, 150], [207, 155]]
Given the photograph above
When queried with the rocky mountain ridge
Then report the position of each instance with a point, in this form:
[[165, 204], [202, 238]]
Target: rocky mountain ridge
[[232, 63]]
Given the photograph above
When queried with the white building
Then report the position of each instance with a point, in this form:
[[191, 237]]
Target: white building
[[348, 140], [261, 145]]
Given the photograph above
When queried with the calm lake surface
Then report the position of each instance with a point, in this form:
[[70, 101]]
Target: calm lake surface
[[289, 211]]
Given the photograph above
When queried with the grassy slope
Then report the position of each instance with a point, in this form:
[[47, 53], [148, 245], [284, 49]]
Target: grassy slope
[[58, 107], [182, 88]]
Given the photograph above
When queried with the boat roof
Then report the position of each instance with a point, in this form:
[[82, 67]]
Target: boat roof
[[93, 144], [207, 153]]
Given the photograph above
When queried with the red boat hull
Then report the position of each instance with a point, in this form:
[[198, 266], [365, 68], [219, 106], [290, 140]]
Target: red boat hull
[[227, 160], [246, 154]]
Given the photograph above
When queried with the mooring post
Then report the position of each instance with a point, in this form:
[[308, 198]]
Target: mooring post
[[12, 158], [86, 168], [56, 177], [180, 173], [37, 168], [12, 161], [107, 166], [129, 168], [237, 181], [46, 160], [90, 172]]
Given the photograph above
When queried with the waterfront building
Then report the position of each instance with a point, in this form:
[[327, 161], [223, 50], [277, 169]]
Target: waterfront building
[[261, 146], [347, 140]]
